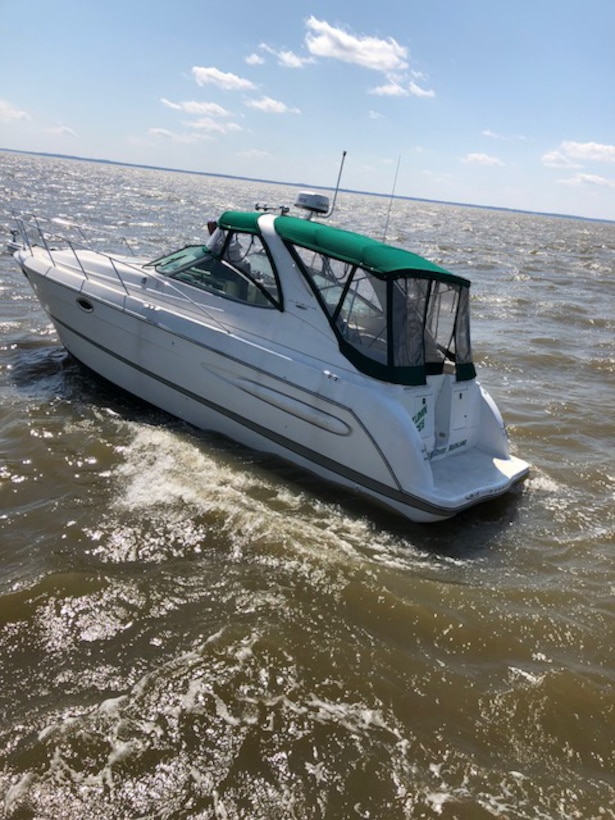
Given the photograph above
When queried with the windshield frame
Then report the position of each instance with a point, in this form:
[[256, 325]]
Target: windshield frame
[[195, 266]]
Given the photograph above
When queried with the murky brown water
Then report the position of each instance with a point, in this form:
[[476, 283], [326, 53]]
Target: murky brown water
[[188, 629]]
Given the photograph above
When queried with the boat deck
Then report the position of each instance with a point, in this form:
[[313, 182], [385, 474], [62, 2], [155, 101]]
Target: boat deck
[[474, 473]]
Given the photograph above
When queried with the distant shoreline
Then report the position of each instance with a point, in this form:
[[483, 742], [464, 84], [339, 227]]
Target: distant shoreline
[[300, 185]]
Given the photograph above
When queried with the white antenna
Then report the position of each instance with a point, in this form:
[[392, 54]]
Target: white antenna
[[337, 186], [386, 226]]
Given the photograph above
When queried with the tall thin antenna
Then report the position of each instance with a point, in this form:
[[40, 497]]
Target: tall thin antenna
[[386, 225], [337, 186]]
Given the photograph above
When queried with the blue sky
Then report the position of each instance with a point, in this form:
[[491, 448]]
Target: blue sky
[[476, 101]]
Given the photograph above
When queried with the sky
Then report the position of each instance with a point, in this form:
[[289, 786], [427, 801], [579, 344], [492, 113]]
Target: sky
[[483, 102]]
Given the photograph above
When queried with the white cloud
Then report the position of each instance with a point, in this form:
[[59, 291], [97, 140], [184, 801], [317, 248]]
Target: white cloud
[[593, 180], [213, 126], [390, 89], [573, 154], [228, 82], [286, 58], [557, 159], [170, 104], [481, 159], [589, 151], [393, 88], [324, 40], [191, 107], [209, 119], [417, 91], [291, 60], [255, 59], [8, 113], [270, 106]]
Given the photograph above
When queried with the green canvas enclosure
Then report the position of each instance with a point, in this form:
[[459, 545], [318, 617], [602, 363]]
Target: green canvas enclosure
[[397, 316]]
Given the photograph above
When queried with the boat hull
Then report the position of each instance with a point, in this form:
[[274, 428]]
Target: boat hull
[[293, 407]]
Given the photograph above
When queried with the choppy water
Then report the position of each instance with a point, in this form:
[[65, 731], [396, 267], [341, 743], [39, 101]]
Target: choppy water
[[188, 629]]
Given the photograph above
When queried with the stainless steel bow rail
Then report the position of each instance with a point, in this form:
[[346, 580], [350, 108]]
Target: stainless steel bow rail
[[34, 233]]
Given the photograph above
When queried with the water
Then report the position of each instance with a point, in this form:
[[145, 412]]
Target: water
[[190, 629]]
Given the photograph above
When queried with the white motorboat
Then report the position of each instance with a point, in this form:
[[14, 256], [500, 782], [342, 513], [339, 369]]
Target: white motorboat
[[342, 354]]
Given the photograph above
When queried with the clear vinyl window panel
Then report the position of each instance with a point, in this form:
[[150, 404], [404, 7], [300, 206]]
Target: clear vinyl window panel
[[401, 326]]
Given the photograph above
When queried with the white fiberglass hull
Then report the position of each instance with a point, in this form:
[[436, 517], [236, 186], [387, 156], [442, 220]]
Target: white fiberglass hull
[[293, 406]]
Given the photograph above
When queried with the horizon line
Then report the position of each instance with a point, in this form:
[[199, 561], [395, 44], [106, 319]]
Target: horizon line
[[301, 184]]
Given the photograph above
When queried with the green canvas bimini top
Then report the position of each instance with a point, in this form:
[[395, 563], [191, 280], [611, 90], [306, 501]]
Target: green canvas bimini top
[[345, 245]]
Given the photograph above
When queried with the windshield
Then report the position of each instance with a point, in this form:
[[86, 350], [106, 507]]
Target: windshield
[[234, 265]]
